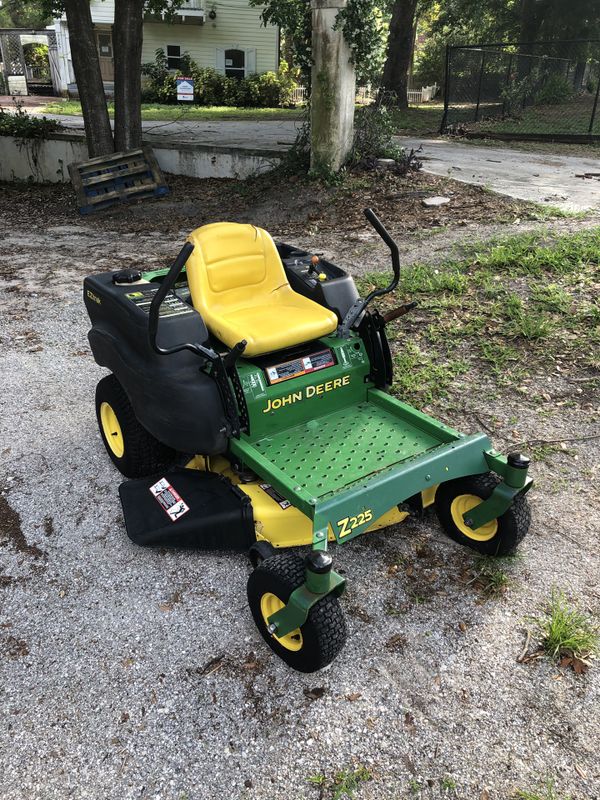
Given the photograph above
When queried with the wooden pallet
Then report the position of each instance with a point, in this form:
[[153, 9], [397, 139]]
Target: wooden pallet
[[118, 178]]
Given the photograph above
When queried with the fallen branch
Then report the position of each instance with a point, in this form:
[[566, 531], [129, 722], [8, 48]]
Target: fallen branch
[[534, 442], [521, 658]]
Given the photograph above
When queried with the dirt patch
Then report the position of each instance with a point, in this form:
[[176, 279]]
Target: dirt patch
[[14, 648], [275, 202], [11, 532]]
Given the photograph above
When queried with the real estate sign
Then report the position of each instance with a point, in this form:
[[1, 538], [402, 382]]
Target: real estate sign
[[185, 89]]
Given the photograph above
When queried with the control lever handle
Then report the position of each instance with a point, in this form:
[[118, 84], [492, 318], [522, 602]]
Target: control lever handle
[[165, 287]]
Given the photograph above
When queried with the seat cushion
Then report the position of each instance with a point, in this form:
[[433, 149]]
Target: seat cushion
[[272, 327], [239, 286]]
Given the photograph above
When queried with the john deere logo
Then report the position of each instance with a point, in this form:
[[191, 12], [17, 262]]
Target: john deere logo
[[304, 394]]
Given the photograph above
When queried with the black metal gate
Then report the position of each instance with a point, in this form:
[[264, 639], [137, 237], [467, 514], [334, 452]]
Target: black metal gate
[[518, 90]]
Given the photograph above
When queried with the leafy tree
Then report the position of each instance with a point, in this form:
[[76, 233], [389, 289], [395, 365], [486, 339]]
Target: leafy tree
[[364, 30], [24, 14]]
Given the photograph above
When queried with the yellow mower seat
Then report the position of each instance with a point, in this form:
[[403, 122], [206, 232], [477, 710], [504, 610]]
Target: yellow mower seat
[[239, 286]]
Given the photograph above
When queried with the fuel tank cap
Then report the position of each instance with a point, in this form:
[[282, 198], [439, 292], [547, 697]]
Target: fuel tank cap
[[127, 276]]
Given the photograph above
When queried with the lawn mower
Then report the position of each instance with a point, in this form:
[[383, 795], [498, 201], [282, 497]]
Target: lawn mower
[[249, 406]]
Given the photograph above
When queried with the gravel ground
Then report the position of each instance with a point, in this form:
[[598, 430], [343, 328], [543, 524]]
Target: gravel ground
[[129, 673]]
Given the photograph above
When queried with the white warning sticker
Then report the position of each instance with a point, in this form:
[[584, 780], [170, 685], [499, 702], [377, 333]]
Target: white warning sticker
[[169, 499]]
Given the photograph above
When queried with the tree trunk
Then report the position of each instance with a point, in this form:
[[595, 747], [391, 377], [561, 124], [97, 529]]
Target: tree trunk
[[399, 50], [89, 80], [333, 90], [127, 48]]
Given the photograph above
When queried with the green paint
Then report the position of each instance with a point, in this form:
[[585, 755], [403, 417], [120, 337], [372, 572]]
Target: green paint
[[302, 599]]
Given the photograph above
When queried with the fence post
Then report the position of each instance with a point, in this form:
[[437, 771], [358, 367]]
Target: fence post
[[595, 108], [506, 82], [446, 90], [479, 85]]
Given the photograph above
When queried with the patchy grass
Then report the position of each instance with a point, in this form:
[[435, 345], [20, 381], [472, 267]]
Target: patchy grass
[[520, 310], [180, 113], [493, 575], [565, 631], [546, 791], [344, 783]]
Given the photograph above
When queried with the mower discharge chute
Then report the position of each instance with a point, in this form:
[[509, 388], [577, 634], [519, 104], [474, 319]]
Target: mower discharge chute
[[249, 404]]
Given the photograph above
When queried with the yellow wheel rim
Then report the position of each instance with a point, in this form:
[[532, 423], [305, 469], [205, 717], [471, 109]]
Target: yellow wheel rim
[[462, 504], [112, 430], [269, 605]]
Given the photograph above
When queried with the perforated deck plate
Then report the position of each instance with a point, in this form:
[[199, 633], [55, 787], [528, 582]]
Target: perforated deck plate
[[352, 465], [329, 453]]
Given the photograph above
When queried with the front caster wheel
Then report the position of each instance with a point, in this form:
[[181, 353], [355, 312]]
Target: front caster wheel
[[496, 538], [315, 644]]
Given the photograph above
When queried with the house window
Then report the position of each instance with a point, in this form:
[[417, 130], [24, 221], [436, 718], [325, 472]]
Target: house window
[[173, 56], [235, 63]]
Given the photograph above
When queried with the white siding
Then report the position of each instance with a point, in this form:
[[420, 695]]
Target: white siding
[[237, 26], [103, 11]]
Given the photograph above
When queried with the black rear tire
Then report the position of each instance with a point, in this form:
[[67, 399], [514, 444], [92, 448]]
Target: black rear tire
[[323, 634], [498, 538], [133, 451]]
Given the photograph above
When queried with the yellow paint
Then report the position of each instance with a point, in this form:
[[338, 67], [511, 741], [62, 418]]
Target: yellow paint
[[270, 604], [309, 391], [239, 286], [348, 524], [462, 504], [287, 527], [428, 495], [112, 430]]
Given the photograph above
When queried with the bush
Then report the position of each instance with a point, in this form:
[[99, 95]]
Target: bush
[[23, 126], [556, 89], [268, 90]]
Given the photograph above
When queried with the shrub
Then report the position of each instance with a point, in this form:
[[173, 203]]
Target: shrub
[[160, 86], [24, 126], [268, 90], [556, 89]]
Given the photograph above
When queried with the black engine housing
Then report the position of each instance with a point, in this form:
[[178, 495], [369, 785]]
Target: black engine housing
[[173, 398]]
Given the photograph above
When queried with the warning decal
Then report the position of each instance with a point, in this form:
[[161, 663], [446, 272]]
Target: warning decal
[[168, 499], [266, 487]]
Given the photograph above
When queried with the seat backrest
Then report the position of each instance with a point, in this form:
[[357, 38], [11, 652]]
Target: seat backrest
[[232, 266]]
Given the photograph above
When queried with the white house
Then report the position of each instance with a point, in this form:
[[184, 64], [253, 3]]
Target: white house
[[226, 34]]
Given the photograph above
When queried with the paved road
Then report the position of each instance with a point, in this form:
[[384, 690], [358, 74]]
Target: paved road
[[538, 177]]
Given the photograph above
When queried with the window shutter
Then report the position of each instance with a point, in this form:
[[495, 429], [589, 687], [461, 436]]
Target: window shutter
[[250, 61], [220, 60]]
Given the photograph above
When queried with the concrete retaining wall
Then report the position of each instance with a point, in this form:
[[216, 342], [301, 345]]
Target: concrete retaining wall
[[46, 160]]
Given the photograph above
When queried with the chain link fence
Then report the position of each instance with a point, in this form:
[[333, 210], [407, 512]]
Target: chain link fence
[[519, 90]]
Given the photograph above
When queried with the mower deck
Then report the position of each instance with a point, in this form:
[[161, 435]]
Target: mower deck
[[348, 467]]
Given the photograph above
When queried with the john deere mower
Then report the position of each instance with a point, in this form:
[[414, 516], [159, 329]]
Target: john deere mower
[[248, 405]]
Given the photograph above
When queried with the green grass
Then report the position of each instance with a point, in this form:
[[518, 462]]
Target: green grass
[[493, 575], [500, 311], [448, 784], [565, 630], [570, 117], [157, 111], [344, 783], [422, 119]]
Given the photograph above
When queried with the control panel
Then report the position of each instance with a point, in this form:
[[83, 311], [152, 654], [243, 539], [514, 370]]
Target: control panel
[[171, 306], [302, 365]]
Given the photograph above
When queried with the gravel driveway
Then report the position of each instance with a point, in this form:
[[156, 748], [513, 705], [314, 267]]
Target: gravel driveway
[[131, 673]]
